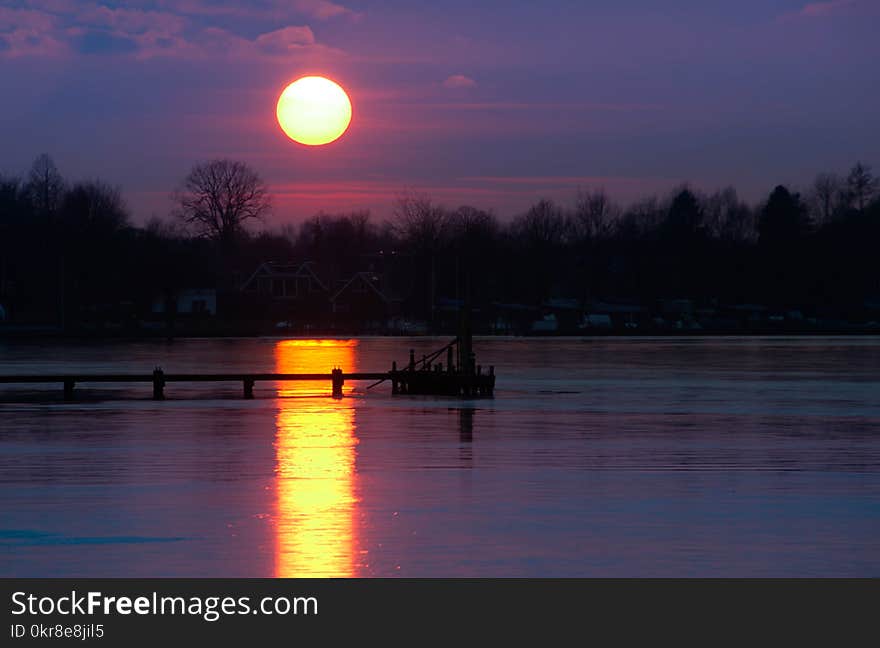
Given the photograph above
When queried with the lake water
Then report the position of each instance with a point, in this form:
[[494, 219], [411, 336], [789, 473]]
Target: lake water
[[597, 457]]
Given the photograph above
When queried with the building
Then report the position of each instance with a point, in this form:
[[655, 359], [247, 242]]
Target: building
[[289, 282], [361, 302], [188, 301]]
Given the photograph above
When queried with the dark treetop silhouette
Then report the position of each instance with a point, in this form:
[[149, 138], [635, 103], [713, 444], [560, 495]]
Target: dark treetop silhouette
[[72, 261]]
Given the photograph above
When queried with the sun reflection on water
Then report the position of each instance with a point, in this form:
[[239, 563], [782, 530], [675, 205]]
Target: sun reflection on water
[[315, 464]]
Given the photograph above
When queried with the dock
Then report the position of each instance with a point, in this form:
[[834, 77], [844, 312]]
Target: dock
[[158, 378], [419, 377]]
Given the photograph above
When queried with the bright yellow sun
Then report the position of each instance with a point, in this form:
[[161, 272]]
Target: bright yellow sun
[[313, 110]]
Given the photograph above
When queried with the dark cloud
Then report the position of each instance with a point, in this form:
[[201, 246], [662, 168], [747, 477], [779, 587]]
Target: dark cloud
[[103, 42]]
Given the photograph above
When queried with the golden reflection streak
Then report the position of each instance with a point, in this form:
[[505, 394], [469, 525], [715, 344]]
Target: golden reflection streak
[[315, 471]]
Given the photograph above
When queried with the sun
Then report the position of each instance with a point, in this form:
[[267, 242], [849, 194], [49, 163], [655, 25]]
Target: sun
[[313, 110]]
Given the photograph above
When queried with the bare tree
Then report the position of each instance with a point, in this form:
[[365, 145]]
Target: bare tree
[[420, 221], [825, 196], [467, 222], [594, 214], [861, 185], [640, 218], [218, 198], [543, 226], [422, 224], [45, 186], [728, 218], [95, 206], [12, 194]]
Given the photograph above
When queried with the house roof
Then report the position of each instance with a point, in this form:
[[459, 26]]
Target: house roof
[[365, 277], [285, 271]]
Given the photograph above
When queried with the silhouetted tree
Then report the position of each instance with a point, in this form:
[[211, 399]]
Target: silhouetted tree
[[540, 234], [827, 194], [543, 226], [419, 221], [91, 207], [783, 218], [640, 219], [861, 185], [45, 187], [13, 199], [473, 238], [71, 256], [323, 237], [684, 219], [220, 197], [727, 217], [421, 224], [594, 215]]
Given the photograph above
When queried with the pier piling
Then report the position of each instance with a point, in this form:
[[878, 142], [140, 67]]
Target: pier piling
[[158, 384], [338, 381]]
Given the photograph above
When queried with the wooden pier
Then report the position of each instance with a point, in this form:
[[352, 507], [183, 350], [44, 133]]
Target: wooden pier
[[417, 378], [159, 379], [459, 377]]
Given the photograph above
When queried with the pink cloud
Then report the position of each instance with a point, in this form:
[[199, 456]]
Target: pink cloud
[[25, 32], [324, 9], [508, 195], [15, 19], [29, 42], [132, 20], [814, 9], [459, 81], [285, 39]]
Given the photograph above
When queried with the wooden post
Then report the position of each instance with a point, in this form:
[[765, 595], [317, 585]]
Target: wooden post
[[449, 366], [394, 377], [68, 389], [337, 383], [490, 386], [158, 384], [412, 359], [248, 388]]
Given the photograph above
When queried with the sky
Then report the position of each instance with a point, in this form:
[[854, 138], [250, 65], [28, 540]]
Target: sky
[[494, 104]]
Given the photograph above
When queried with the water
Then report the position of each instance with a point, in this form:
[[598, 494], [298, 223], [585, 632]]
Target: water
[[598, 457]]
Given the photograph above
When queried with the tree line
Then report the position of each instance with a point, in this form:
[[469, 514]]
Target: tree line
[[70, 254]]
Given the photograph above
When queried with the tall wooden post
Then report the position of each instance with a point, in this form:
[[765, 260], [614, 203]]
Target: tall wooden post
[[338, 381], [158, 384], [465, 343]]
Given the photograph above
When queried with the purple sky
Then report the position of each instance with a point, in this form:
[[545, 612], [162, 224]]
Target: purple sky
[[489, 103]]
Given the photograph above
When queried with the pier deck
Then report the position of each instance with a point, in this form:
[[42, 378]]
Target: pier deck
[[407, 381]]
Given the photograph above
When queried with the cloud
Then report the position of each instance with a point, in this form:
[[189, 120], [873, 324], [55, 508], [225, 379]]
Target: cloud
[[24, 32], [132, 21], [831, 8], [815, 9], [285, 39], [103, 42], [459, 81], [62, 27], [262, 9], [324, 9]]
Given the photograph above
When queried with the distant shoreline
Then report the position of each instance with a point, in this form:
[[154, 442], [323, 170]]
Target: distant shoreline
[[8, 336]]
